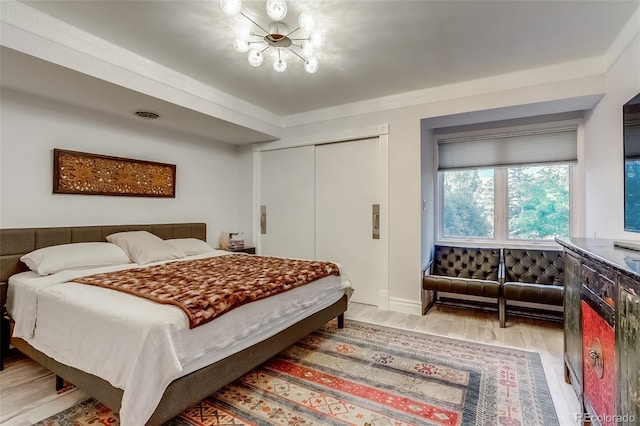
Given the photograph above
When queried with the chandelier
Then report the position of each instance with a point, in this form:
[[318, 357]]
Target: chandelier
[[303, 41]]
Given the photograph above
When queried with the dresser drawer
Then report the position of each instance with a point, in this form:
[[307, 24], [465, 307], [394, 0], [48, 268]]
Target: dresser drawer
[[600, 280], [598, 289]]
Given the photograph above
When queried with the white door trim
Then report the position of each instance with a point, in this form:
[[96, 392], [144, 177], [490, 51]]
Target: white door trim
[[382, 133], [383, 303], [323, 138]]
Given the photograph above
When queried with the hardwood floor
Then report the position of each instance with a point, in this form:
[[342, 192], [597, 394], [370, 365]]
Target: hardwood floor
[[27, 391]]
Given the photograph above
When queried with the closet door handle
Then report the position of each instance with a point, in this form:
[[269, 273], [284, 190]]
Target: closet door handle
[[375, 219], [263, 219]]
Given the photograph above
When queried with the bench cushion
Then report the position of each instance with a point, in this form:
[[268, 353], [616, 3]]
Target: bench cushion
[[468, 286], [535, 293]]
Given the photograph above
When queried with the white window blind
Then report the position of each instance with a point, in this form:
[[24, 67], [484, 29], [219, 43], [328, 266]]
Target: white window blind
[[512, 149]]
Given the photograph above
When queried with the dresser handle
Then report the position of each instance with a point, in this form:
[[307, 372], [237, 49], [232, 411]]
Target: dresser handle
[[597, 361]]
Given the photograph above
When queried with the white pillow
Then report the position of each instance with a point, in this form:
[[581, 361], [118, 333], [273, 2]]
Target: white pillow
[[190, 246], [143, 247], [52, 259]]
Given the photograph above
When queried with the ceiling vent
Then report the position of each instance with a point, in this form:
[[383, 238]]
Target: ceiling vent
[[147, 115]]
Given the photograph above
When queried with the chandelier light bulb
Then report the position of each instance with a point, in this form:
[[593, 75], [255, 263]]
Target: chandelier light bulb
[[307, 49], [277, 9], [280, 65], [240, 44], [316, 38], [231, 7], [255, 58], [244, 33], [307, 22], [311, 65]]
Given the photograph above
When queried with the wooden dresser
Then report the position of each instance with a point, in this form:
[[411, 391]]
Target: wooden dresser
[[602, 329]]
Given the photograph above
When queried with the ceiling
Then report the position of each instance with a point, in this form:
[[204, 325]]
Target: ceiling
[[373, 48], [35, 76]]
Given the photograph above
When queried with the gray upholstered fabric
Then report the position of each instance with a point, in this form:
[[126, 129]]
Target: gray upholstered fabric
[[14, 242], [466, 262]]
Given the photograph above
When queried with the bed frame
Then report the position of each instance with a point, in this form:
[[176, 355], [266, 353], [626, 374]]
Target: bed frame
[[184, 391]]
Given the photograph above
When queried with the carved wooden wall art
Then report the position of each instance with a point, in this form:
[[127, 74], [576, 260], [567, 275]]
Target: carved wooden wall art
[[94, 174]]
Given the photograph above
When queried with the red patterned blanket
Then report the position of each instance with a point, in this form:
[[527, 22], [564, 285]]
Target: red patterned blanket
[[207, 288]]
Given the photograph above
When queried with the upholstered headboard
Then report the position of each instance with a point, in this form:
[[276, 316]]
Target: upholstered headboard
[[15, 242]]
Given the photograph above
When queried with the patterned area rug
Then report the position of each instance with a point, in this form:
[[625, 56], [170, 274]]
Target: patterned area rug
[[370, 375]]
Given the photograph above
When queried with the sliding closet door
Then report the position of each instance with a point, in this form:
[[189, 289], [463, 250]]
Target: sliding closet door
[[287, 181], [347, 186]]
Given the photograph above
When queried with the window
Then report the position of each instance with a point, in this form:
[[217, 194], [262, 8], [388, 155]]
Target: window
[[505, 188], [468, 204], [538, 202]]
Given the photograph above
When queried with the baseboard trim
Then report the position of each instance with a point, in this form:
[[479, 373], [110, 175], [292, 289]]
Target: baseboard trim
[[405, 306]]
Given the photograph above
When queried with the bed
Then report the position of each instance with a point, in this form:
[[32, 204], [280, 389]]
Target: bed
[[199, 381]]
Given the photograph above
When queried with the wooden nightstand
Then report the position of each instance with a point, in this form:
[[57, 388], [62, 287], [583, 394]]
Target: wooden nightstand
[[248, 250]]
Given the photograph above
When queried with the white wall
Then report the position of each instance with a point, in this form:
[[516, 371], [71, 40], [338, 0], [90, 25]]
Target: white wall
[[245, 194], [210, 182], [405, 157], [604, 187]]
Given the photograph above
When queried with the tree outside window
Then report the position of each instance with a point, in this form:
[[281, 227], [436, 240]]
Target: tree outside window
[[536, 204], [468, 204]]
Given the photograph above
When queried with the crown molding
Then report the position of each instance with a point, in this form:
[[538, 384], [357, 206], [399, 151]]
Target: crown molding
[[46, 30], [323, 138], [516, 80], [629, 32]]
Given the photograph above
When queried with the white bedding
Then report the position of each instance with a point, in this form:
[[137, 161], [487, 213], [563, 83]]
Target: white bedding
[[141, 346]]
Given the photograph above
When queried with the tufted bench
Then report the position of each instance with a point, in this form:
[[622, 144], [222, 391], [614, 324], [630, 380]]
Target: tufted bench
[[463, 270], [535, 276]]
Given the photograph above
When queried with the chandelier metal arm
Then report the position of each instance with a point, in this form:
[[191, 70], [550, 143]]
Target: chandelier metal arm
[[296, 53], [291, 32], [255, 23]]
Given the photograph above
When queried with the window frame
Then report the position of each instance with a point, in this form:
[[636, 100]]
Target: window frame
[[500, 217]]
